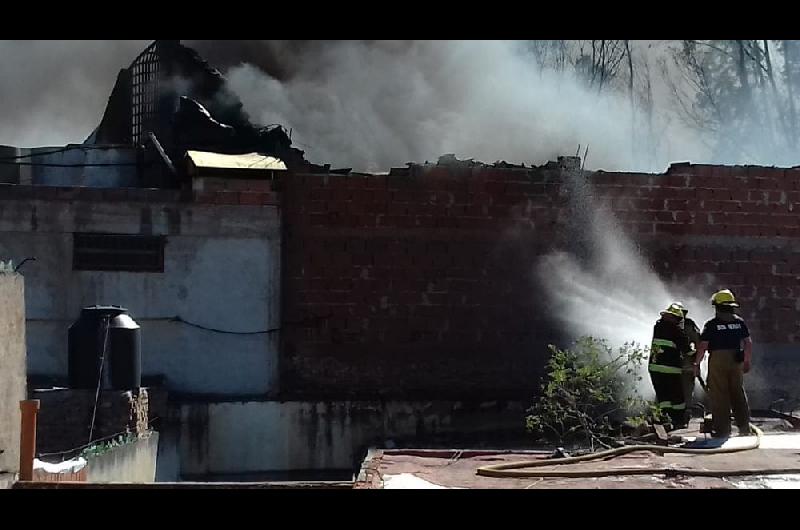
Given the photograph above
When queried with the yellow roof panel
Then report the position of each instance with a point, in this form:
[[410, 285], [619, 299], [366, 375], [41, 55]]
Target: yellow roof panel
[[205, 159]]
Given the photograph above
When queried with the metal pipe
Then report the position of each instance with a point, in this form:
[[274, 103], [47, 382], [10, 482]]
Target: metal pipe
[[162, 153], [27, 437]]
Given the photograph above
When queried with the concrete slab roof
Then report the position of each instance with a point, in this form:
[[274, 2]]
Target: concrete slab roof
[[456, 469]]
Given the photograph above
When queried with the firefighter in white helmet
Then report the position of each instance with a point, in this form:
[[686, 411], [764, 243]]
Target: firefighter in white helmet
[[730, 348], [667, 351]]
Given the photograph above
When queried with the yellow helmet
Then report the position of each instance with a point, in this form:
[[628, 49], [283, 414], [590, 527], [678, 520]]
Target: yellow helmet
[[674, 310], [724, 297], [683, 309]]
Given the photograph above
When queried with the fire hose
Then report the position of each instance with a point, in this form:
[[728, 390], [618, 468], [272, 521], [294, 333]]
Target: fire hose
[[521, 469]]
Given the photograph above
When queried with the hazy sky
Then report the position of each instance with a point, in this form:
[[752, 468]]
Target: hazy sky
[[54, 92]]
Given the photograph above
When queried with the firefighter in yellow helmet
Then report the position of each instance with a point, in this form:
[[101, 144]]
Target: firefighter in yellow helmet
[[669, 346], [693, 334], [730, 348]]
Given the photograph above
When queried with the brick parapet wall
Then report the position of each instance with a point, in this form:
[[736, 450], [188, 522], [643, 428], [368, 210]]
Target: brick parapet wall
[[715, 226], [741, 201], [65, 416], [422, 280]]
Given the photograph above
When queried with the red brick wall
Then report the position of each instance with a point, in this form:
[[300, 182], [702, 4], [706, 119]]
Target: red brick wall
[[717, 226], [423, 283], [65, 416], [740, 201]]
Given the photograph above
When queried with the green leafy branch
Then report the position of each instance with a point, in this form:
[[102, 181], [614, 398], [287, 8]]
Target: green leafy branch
[[588, 392]]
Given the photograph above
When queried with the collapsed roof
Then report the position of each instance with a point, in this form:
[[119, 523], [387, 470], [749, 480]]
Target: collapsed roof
[[172, 97]]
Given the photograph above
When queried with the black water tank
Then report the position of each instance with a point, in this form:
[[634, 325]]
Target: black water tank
[[85, 347], [125, 367]]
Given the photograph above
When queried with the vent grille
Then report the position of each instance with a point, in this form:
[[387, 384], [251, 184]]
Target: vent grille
[[118, 252]]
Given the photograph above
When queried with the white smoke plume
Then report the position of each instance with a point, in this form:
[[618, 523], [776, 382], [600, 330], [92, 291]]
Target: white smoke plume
[[375, 105]]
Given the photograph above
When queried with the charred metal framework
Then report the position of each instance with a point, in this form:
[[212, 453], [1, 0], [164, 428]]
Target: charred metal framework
[[169, 100], [117, 252], [144, 93]]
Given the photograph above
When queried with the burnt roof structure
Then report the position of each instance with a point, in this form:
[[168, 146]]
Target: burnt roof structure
[[170, 100]]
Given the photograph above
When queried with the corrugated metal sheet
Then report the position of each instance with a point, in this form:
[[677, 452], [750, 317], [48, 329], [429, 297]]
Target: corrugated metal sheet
[[205, 159]]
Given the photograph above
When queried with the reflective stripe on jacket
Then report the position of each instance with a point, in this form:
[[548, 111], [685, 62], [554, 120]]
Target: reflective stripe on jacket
[[670, 344]]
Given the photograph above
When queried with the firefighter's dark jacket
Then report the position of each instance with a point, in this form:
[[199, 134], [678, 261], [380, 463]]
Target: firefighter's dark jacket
[[692, 331], [670, 344]]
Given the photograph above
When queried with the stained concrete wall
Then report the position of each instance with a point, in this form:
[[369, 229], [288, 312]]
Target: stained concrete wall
[[101, 166], [132, 462], [12, 368], [168, 468], [259, 436], [221, 271]]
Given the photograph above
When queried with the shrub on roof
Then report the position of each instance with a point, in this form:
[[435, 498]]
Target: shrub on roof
[[589, 392]]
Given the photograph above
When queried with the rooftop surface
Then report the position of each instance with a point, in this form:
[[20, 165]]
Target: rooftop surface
[[456, 469], [206, 159]]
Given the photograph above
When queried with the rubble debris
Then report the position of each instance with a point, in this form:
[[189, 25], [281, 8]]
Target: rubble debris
[[678, 166], [502, 164], [450, 160], [661, 434], [569, 162]]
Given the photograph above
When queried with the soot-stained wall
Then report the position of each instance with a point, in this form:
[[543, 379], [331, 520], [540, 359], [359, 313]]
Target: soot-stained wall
[[422, 281]]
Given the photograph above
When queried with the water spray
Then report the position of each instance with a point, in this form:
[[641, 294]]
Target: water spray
[[602, 286]]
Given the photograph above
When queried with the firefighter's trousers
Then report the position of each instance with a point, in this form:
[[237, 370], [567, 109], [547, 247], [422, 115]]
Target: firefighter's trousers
[[669, 389], [726, 392]]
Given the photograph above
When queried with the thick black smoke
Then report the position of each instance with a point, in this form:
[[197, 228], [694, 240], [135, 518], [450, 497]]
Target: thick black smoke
[[280, 59]]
